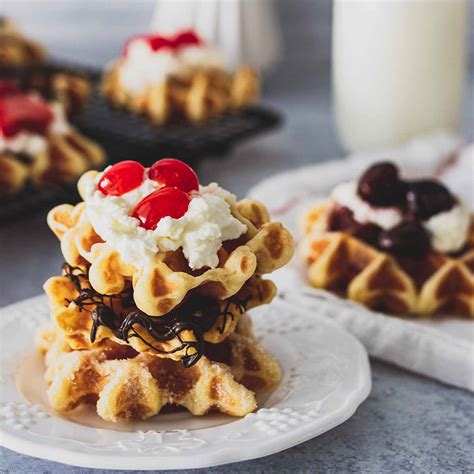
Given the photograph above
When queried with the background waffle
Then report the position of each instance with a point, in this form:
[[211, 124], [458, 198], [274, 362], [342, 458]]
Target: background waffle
[[65, 158], [339, 262], [198, 97]]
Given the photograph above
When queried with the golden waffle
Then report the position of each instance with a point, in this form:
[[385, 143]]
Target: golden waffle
[[342, 263], [15, 49], [13, 174], [197, 97], [67, 157], [125, 385], [73, 308], [71, 89], [64, 159], [165, 281]]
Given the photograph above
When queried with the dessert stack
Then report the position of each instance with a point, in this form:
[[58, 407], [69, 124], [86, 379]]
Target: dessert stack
[[150, 308], [394, 245], [179, 77]]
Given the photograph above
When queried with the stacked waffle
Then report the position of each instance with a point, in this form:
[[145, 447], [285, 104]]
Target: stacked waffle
[[135, 336], [38, 144], [177, 78], [405, 268]]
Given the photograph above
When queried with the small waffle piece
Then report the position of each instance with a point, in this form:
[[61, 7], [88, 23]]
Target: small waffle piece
[[126, 385]]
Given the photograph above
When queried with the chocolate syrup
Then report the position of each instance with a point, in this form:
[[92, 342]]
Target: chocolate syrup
[[197, 315]]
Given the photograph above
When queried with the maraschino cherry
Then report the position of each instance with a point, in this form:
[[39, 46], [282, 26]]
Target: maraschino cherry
[[164, 202], [175, 173], [157, 42], [23, 112], [186, 38], [121, 178]]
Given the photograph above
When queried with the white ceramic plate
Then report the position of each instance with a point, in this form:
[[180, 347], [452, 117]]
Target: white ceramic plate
[[439, 347], [326, 376]]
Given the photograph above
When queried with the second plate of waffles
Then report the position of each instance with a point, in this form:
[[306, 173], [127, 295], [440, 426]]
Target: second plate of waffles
[[396, 271], [399, 246]]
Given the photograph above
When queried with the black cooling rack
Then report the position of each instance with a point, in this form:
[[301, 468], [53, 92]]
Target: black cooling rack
[[213, 138], [126, 136]]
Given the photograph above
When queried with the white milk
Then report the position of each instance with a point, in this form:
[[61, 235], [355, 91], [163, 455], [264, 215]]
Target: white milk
[[398, 69]]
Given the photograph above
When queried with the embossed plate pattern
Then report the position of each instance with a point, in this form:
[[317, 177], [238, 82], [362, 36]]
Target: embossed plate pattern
[[326, 376]]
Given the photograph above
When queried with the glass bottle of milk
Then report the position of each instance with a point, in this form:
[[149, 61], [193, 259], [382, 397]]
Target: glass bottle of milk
[[398, 69]]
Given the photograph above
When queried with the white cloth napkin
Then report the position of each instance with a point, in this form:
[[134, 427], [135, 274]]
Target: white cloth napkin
[[441, 348]]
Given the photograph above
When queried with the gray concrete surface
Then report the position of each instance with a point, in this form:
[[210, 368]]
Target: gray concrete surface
[[409, 423]]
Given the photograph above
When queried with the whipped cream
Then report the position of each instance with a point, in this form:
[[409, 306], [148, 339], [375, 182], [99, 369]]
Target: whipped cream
[[199, 232], [142, 67], [449, 230], [346, 195], [33, 144]]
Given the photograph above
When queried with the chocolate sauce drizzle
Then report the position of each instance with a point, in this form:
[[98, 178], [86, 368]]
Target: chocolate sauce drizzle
[[197, 314]]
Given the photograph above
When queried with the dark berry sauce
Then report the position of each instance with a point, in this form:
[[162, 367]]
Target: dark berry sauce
[[381, 186], [406, 239], [427, 198], [342, 219]]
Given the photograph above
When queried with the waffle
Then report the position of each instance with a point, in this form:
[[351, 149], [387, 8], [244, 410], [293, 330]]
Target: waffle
[[339, 262], [165, 281], [125, 385], [13, 174], [196, 97], [65, 158], [74, 308], [71, 89], [15, 49]]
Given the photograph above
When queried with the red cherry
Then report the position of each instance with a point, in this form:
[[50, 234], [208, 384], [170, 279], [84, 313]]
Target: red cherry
[[164, 202], [174, 173], [121, 178], [24, 112], [186, 38], [155, 42]]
